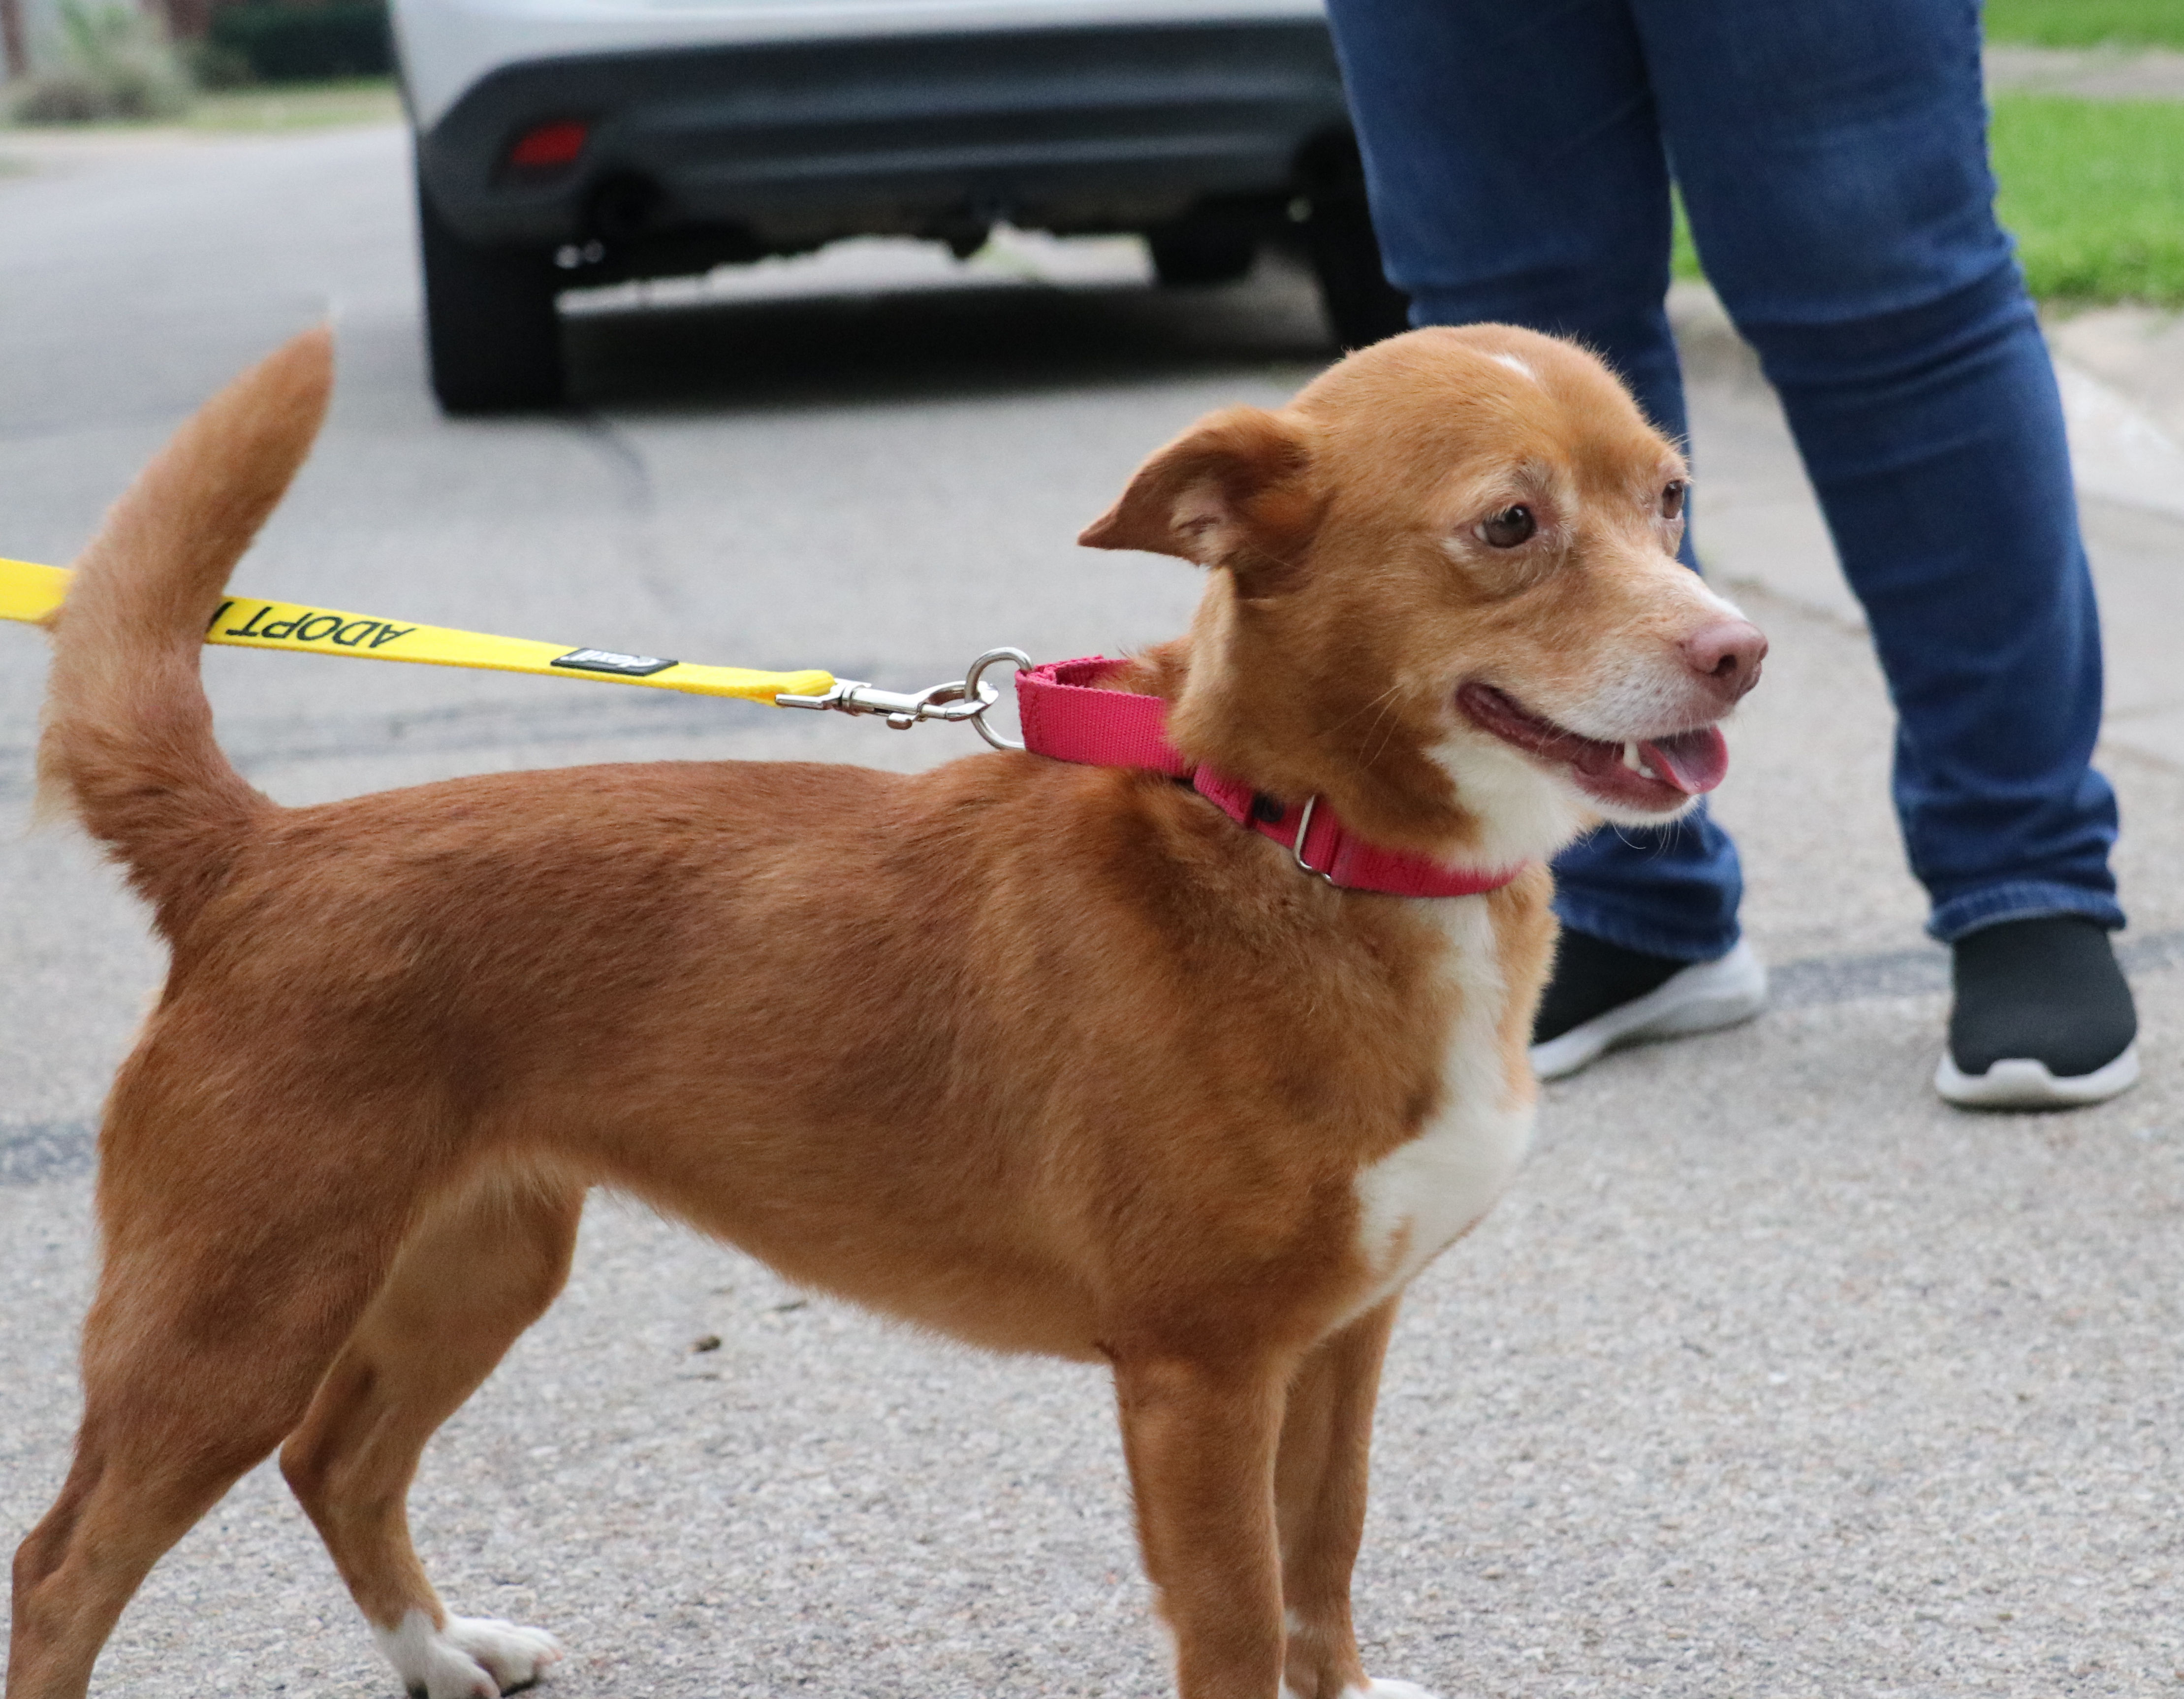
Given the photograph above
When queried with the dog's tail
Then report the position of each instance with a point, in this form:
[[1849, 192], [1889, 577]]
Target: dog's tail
[[128, 741]]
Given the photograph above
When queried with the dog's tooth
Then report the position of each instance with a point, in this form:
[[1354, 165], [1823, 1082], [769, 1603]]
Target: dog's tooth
[[1630, 758]]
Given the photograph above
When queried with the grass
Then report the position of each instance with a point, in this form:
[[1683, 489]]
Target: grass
[[266, 107], [2093, 191], [1683, 260], [297, 105], [2086, 23]]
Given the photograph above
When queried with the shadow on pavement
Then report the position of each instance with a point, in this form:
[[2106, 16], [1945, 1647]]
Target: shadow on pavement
[[982, 338]]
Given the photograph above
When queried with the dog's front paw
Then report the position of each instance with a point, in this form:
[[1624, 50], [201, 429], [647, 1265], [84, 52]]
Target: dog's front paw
[[514, 1656], [1390, 1690], [472, 1657]]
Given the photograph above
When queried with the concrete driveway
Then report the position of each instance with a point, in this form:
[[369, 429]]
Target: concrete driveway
[[1773, 1377]]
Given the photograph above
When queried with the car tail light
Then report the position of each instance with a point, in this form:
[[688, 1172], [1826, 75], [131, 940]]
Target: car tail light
[[544, 146]]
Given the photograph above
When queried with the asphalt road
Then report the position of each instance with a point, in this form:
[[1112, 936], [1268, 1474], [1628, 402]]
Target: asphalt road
[[1772, 1376]]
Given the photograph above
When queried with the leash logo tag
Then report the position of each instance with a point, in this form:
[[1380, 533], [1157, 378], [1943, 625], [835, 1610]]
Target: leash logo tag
[[606, 660]]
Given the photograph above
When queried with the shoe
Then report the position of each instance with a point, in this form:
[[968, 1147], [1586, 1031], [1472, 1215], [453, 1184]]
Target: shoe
[[1603, 997], [2043, 1018]]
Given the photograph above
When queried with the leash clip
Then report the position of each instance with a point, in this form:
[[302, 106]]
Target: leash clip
[[965, 698]]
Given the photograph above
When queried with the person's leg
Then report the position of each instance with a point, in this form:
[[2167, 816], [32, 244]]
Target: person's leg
[[1832, 156], [1516, 174]]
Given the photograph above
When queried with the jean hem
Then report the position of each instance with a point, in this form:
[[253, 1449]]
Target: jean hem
[[2026, 899], [1646, 939]]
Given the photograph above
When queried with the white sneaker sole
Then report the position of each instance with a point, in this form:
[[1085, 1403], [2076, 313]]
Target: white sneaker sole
[[2018, 1082], [1703, 998]]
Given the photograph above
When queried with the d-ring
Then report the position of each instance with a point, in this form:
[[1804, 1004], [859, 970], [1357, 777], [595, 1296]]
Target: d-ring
[[1016, 658], [1304, 825]]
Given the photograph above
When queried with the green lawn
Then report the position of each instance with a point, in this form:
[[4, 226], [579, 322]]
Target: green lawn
[[282, 106], [297, 105], [2093, 190], [2094, 193], [2086, 23]]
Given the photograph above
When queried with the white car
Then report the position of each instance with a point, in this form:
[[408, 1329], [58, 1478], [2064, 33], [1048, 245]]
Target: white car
[[562, 143]]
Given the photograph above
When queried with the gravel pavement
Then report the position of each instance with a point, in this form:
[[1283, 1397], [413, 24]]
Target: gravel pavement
[[1772, 1376]]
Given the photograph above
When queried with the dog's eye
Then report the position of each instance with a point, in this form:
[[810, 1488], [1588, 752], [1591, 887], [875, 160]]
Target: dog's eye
[[1672, 499], [1509, 527]]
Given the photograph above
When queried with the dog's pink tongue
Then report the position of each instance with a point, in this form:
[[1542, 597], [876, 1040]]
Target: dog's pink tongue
[[1693, 761]]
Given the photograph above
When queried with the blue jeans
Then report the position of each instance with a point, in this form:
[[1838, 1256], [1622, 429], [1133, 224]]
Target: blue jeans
[[1832, 156]]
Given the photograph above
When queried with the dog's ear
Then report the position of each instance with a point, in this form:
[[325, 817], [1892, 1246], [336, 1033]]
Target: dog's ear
[[1235, 490]]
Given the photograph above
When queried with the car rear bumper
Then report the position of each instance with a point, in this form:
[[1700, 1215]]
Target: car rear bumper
[[783, 145]]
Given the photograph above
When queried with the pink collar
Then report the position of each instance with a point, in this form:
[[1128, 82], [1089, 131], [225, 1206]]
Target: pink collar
[[1068, 716]]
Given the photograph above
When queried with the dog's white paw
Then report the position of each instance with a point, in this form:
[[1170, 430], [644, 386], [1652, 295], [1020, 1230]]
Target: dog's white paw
[[1389, 1690], [473, 1658]]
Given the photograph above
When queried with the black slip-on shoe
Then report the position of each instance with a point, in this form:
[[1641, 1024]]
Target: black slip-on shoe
[[1603, 997], [2043, 1018]]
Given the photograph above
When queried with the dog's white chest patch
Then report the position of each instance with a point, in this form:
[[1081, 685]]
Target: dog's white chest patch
[[1419, 1199]]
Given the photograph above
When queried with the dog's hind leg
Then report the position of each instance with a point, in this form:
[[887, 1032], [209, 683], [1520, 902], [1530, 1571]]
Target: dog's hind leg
[[1199, 1440], [201, 1351], [478, 1270], [1319, 1488]]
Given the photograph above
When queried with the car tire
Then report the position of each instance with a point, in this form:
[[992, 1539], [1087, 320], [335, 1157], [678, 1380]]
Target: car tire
[[1194, 254], [1361, 306], [493, 334]]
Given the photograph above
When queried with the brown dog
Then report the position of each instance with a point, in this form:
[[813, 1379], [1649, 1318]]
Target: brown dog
[[1163, 1101]]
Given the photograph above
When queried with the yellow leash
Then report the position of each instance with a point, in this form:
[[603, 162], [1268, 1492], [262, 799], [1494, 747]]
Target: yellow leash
[[29, 592]]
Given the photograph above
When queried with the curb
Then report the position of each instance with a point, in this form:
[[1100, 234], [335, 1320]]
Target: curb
[[2086, 73]]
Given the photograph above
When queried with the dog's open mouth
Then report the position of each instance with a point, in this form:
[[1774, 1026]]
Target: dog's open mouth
[[1654, 774]]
